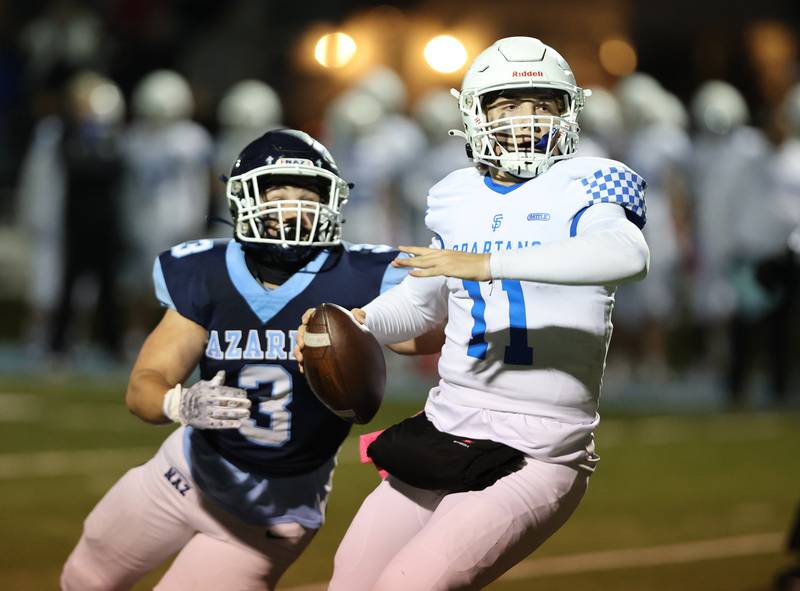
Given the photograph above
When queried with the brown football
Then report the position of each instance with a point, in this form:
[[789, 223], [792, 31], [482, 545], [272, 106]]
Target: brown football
[[344, 364]]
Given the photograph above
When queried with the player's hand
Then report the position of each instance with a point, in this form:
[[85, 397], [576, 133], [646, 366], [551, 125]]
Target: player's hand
[[299, 342], [359, 315], [208, 404], [428, 262]]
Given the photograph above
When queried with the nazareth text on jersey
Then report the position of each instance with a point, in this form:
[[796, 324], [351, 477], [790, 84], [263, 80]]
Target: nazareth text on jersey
[[251, 334]]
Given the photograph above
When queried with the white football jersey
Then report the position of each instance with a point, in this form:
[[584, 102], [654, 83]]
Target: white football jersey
[[165, 193], [167, 184], [40, 198], [523, 361]]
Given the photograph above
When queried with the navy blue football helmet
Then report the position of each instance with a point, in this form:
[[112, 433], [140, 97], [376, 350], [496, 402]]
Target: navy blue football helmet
[[286, 229]]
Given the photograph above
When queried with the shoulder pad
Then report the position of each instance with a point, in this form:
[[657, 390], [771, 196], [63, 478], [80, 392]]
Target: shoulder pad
[[454, 178], [180, 276], [367, 248], [617, 184]]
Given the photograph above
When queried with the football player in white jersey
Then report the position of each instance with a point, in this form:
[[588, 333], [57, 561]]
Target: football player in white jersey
[[659, 148], [168, 174], [529, 246]]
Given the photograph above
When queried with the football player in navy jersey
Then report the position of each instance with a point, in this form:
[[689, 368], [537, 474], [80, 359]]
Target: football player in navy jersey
[[244, 480]]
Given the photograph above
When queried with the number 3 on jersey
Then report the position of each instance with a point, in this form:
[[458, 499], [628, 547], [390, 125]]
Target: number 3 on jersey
[[191, 247], [517, 351], [271, 411]]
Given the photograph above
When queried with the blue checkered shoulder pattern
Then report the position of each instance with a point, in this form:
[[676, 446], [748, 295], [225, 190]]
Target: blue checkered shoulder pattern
[[618, 185]]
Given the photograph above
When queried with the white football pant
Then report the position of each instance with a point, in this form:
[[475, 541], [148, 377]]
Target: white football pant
[[406, 538], [156, 510]]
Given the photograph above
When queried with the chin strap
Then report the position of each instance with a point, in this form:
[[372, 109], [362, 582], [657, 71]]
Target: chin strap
[[268, 266]]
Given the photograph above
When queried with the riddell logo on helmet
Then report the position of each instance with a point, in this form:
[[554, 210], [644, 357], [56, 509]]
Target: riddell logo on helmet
[[526, 73]]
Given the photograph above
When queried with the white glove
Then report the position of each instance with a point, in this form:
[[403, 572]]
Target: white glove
[[207, 404]]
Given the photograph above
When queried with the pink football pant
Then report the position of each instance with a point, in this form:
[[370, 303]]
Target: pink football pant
[[154, 511], [406, 538]]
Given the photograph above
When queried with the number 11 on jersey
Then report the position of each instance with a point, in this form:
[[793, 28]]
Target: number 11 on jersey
[[517, 351]]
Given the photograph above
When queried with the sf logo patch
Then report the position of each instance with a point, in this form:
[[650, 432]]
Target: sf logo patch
[[496, 221]]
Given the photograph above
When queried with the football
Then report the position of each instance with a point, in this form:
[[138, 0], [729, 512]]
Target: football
[[344, 364]]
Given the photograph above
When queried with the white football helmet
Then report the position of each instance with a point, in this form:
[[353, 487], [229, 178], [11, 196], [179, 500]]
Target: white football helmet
[[717, 107], [674, 113], [250, 104], [436, 113], [94, 97], [351, 115], [517, 63], [386, 86], [163, 96], [602, 116], [641, 98]]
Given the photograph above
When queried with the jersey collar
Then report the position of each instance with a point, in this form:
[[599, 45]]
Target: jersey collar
[[266, 303], [498, 188]]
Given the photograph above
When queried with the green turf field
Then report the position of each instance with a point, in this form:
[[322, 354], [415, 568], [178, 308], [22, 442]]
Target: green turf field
[[687, 502]]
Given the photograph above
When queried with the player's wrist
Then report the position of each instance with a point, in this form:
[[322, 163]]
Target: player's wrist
[[171, 405], [496, 265]]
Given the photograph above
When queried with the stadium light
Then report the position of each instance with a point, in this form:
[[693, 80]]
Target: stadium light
[[335, 50], [618, 57], [445, 54]]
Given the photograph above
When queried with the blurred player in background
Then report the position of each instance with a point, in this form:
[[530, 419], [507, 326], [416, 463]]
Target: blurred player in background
[[529, 246], [167, 187], [69, 199], [725, 180], [436, 116], [747, 209], [659, 148], [601, 126], [240, 488], [350, 115], [91, 154], [40, 195], [768, 236], [384, 143], [246, 111]]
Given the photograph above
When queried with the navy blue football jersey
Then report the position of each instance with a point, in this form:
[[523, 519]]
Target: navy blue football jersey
[[251, 335]]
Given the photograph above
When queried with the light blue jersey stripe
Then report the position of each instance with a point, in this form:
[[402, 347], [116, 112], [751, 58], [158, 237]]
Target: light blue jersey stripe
[[263, 302], [255, 498], [573, 228], [498, 188], [162, 293], [394, 275]]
